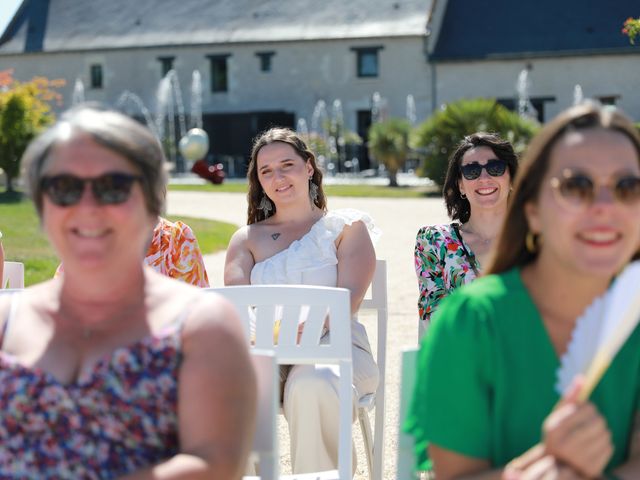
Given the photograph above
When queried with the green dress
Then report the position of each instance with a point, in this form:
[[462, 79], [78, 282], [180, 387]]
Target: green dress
[[486, 376]]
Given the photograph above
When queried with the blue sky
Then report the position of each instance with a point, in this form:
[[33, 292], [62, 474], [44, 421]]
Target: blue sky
[[7, 9]]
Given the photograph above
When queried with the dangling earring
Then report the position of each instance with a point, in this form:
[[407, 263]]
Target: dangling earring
[[313, 191], [265, 205], [463, 195], [531, 242]]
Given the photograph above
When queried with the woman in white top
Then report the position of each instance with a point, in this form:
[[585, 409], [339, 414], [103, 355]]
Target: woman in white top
[[290, 238]]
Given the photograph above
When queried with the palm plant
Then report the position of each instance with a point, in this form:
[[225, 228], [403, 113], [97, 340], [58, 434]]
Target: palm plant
[[389, 144], [439, 135]]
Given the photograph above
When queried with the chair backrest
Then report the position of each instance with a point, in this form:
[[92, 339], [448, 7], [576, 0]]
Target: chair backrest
[[274, 313], [265, 444], [378, 301], [406, 468], [13, 275]]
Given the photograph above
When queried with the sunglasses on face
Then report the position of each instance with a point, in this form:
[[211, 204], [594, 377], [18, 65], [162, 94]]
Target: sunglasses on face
[[111, 188], [495, 168], [578, 191]]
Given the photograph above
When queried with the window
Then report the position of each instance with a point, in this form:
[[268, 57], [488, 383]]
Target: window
[[367, 63], [166, 64], [265, 60], [96, 75], [219, 74]]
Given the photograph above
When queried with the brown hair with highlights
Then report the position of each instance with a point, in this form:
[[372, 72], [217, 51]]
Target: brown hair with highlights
[[254, 196]]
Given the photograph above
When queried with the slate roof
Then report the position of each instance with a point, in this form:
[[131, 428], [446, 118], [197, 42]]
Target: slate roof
[[71, 25], [484, 29]]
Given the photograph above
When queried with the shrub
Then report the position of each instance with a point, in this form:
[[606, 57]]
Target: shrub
[[24, 111], [438, 136]]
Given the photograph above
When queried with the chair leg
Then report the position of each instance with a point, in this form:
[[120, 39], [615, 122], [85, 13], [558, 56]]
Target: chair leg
[[365, 426]]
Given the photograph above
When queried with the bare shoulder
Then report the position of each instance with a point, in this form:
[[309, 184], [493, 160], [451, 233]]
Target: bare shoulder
[[37, 297], [354, 233]]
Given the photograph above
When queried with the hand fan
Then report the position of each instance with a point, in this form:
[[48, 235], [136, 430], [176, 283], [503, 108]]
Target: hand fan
[[601, 331]]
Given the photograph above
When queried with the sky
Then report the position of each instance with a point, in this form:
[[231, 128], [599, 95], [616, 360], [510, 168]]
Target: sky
[[7, 9]]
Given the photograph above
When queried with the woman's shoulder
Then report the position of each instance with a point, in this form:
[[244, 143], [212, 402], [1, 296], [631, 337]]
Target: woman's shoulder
[[336, 220], [433, 232]]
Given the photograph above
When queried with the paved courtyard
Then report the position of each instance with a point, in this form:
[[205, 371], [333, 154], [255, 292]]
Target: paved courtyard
[[399, 220]]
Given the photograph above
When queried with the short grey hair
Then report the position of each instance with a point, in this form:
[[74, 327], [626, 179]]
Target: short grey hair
[[112, 130]]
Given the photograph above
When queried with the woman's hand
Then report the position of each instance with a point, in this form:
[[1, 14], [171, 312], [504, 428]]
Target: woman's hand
[[576, 434], [536, 464]]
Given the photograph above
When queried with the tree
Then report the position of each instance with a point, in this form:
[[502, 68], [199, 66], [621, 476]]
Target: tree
[[439, 135], [389, 144], [24, 110]]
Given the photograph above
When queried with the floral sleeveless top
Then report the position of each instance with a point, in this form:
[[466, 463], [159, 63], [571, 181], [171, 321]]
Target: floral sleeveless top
[[113, 420], [443, 262]]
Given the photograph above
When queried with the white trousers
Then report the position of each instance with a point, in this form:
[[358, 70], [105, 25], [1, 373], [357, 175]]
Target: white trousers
[[311, 407]]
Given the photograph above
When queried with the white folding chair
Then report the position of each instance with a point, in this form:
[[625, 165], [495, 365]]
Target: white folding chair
[[265, 445], [374, 447], [13, 275], [406, 468], [288, 305]]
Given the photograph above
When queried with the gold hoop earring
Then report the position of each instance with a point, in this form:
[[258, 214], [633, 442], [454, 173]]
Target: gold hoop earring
[[531, 241]]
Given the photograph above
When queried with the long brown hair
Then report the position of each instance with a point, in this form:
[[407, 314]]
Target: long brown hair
[[255, 194], [459, 208], [510, 249]]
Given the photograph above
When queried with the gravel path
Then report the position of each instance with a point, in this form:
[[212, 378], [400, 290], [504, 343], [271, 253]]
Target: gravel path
[[399, 220]]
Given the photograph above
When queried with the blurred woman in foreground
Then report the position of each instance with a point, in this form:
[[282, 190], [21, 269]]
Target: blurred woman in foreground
[[485, 396], [113, 369]]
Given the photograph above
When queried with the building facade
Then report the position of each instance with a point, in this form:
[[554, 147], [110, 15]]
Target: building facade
[[261, 63]]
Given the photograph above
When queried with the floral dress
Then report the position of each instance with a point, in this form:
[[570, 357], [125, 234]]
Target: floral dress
[[443, 262], [117, 418], [173, 252]]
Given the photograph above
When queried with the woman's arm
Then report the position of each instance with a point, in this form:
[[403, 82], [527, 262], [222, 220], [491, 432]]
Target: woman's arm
[[239, 260], [216, 399], [430, 272], [356, 262]]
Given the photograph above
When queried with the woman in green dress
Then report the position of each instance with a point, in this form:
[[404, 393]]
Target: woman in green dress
[[485, 404]]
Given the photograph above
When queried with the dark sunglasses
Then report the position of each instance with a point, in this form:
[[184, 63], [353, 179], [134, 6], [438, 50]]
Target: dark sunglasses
[[495, 168], [109, 189], [577, 190]]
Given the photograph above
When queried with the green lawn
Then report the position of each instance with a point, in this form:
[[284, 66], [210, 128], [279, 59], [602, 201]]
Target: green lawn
[[24, 241], [330, 190]]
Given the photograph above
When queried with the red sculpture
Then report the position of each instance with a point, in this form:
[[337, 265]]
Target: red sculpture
[[213, 173]]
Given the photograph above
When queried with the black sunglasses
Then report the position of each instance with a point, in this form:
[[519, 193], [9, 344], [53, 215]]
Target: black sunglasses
[[579, 191], [109, 189], [495, 168]]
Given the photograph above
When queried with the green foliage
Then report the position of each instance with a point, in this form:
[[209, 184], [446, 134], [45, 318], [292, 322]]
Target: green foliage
[[24, 111], [389, 144], [631, 28], [439, 135], [318, 144]]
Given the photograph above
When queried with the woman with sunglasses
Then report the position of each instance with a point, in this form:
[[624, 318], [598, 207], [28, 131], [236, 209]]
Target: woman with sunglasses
[[476, 190], [114, 370], [485, 391]]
